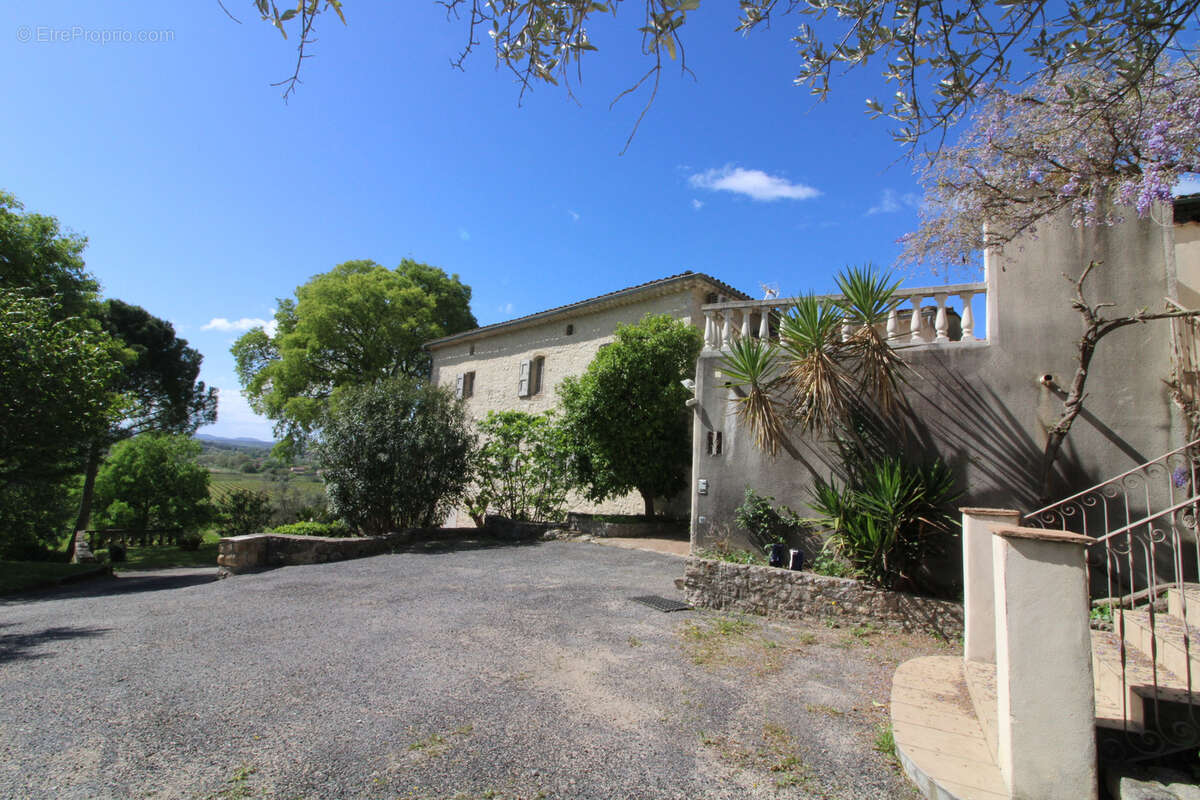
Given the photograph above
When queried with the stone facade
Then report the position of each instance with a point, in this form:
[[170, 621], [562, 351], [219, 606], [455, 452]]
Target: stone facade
[[599, 526], [565, 340], [783, 593]]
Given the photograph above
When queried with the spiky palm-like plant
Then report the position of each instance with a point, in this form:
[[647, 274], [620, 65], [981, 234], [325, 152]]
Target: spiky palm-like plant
[[868, 298], [752, 366], [822, 389]]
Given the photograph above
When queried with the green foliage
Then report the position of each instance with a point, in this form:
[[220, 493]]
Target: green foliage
[[356, 324], [396, 454], [152, 481], [885, 520], [765, 523], [43, 261], [625, 418], [243, 511], [520, 467], [753, 364], [55, 371], [827, 562], [338, 529], [732, 555]]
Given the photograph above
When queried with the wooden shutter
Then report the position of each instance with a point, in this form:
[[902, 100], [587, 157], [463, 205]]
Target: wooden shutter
[[523, 385], [458, 387]]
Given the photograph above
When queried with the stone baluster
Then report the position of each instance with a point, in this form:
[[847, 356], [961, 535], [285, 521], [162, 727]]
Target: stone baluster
[[941, 323], [764, 323], [893, 325], [746, 323], [847, 329], [710, 330], [968, 317], [726, 329], [914, 324]]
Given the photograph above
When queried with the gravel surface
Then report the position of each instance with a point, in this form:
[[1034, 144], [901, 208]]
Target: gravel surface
[[505, 672]]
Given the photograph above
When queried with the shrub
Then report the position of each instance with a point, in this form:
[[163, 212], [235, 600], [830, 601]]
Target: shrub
[[244, 511], [888, 517], [153, 481], [338, 529], [766, 524], [116, 553], [190, 541], [395, 455], [520, 468]]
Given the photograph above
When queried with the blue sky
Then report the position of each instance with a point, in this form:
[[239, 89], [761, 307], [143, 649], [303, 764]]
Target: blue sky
[[205, 197]]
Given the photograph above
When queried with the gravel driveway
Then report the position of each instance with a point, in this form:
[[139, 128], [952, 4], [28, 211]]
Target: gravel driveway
[[505, 672]]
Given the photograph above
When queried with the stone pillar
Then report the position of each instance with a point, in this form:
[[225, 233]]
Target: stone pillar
[[979, 610], [1046, 739]]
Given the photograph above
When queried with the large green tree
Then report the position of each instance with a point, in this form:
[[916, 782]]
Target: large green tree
[[41, 259], [56, 374], [153, 481], [158, 383], [356, 324], [625, 419]]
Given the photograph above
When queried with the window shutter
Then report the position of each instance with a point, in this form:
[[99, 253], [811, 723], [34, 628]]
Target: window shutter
[[458, 387], [523, 386]]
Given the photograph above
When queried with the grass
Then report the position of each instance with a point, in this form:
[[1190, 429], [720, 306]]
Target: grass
[[724, 641], [167, 555], [775, 752], [885, 741], [21, 576]]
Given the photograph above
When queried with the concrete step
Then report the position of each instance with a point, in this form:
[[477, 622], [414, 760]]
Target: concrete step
[[1186, 600], [939, 740], [981, 686], [1136, 693], [1174, 645]]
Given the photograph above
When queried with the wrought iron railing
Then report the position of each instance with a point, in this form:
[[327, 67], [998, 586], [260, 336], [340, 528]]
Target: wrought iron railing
[[1142, 570]]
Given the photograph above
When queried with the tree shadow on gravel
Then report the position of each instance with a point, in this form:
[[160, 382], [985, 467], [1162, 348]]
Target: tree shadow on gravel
[[31, 646], [461, 543], [128, 583]]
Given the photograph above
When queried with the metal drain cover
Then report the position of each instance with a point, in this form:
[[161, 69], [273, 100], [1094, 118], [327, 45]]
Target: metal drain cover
[[664, 604]]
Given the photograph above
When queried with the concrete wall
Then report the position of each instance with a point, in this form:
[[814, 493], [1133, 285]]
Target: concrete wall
[[980, 405], [1187, 263], [496, 361]]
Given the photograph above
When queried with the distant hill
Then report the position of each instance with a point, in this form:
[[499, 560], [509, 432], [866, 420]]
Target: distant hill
[[241, 441]]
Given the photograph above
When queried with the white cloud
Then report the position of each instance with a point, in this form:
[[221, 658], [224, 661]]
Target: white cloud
[[754, 183], [697, 204], [238, 325], [507, 308], [574, 215], [890, 202], [464, 234], [1188, 185]]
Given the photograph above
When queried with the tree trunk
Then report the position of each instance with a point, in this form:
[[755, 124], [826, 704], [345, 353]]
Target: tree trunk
[[648, 499], [85, 500]]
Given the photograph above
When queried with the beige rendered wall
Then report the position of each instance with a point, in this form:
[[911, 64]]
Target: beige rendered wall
[[497, 359], [1187, 263]]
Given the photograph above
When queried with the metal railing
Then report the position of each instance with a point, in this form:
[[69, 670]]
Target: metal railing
[[1142, 569]]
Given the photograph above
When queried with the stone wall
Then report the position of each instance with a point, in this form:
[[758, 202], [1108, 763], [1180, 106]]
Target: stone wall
[[259, 551], [804, 595], [599, 526]]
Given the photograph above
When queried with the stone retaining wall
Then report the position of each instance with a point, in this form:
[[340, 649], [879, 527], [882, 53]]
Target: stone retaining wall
[[259, 551], [598, 526], [804, 595]]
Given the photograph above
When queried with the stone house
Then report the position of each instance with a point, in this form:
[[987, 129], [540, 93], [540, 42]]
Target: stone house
[[516, 365]]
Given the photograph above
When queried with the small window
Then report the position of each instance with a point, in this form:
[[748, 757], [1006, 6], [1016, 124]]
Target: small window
[[539, 365], [471, 350], [465, 385], [714, 443], [711, 298], [570, 330]]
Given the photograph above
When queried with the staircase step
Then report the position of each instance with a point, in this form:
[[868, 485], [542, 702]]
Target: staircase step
[[981, 686], [1135, 693], [1176, 646], [1188, 599]]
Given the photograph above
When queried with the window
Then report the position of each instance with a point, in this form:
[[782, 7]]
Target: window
[[570, 330], [530, 383], [714, 443], [465, 385], [471, 350]]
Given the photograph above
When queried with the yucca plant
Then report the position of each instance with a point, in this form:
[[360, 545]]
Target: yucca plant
[[810, 337], [885, 522], [868, 298], [752, 366]]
